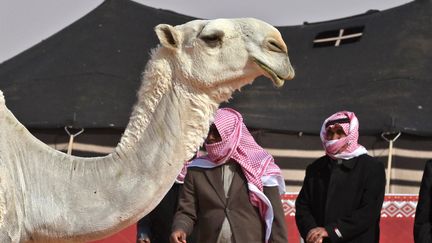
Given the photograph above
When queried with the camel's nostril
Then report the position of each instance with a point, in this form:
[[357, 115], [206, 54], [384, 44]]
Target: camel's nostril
[[276, 46]]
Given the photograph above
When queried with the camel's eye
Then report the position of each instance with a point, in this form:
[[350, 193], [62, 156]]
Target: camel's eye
[[213, 39], [210, 38]]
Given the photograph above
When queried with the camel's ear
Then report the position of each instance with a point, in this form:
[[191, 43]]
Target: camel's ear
[[168, 36]]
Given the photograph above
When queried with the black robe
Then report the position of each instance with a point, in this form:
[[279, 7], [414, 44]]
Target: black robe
[[347, 197], [423, 216]]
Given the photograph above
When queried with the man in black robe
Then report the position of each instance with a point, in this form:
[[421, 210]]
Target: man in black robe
[[343, 191]]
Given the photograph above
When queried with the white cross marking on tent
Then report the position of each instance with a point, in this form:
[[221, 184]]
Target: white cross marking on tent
[[338, 38]]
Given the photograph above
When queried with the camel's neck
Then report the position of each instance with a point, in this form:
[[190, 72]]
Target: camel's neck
[[155, 87], [167, 126], [166, 112]]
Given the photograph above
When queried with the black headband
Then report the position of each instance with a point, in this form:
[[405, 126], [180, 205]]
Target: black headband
[[339, 121]]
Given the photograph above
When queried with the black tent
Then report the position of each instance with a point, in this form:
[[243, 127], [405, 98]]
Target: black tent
[[87, 74], [374, 64]]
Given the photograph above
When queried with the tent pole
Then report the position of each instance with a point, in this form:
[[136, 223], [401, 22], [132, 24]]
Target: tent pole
[[71, 138], [389, 158]]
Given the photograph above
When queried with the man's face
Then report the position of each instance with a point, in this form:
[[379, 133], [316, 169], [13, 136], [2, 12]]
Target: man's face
[[335, 132], [213, 135]]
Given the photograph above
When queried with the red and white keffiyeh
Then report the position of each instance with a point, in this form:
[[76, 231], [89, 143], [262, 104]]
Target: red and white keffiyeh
[[349, 144], [257, 164], [181, 176]]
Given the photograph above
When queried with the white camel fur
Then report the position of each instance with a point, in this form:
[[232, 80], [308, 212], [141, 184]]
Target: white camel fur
[[49, 196]]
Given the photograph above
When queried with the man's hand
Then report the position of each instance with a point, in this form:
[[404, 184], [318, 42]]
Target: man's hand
[[178, 236], [316, 235]]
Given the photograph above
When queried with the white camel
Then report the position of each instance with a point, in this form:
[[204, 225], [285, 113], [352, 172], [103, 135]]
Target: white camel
[[49, 196]]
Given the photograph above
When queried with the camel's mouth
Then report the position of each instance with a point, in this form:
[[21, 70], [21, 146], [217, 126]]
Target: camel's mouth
[[278, 81]]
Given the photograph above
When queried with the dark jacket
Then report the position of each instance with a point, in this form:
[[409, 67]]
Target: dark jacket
[[423, 216], [346, 196], [203, 204]]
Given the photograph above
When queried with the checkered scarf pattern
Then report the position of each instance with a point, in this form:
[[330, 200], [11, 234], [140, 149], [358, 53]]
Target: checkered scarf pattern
[[256, 163], [181, 176], [332, 147]]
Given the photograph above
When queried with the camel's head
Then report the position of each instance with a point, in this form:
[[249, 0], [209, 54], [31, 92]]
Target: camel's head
[[222, 55]]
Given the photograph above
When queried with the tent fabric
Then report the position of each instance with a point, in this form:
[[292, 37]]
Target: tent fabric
[[384, 77], [292, 152], [87, 74]]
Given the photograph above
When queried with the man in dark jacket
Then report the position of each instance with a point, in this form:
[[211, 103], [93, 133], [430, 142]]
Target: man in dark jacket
[[231, 195], [423, 217], [343, 191]]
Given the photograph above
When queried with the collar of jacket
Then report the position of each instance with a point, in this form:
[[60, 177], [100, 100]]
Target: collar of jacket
[[349, 164]]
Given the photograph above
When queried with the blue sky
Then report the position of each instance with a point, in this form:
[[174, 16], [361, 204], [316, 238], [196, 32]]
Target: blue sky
[[25, 23]]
